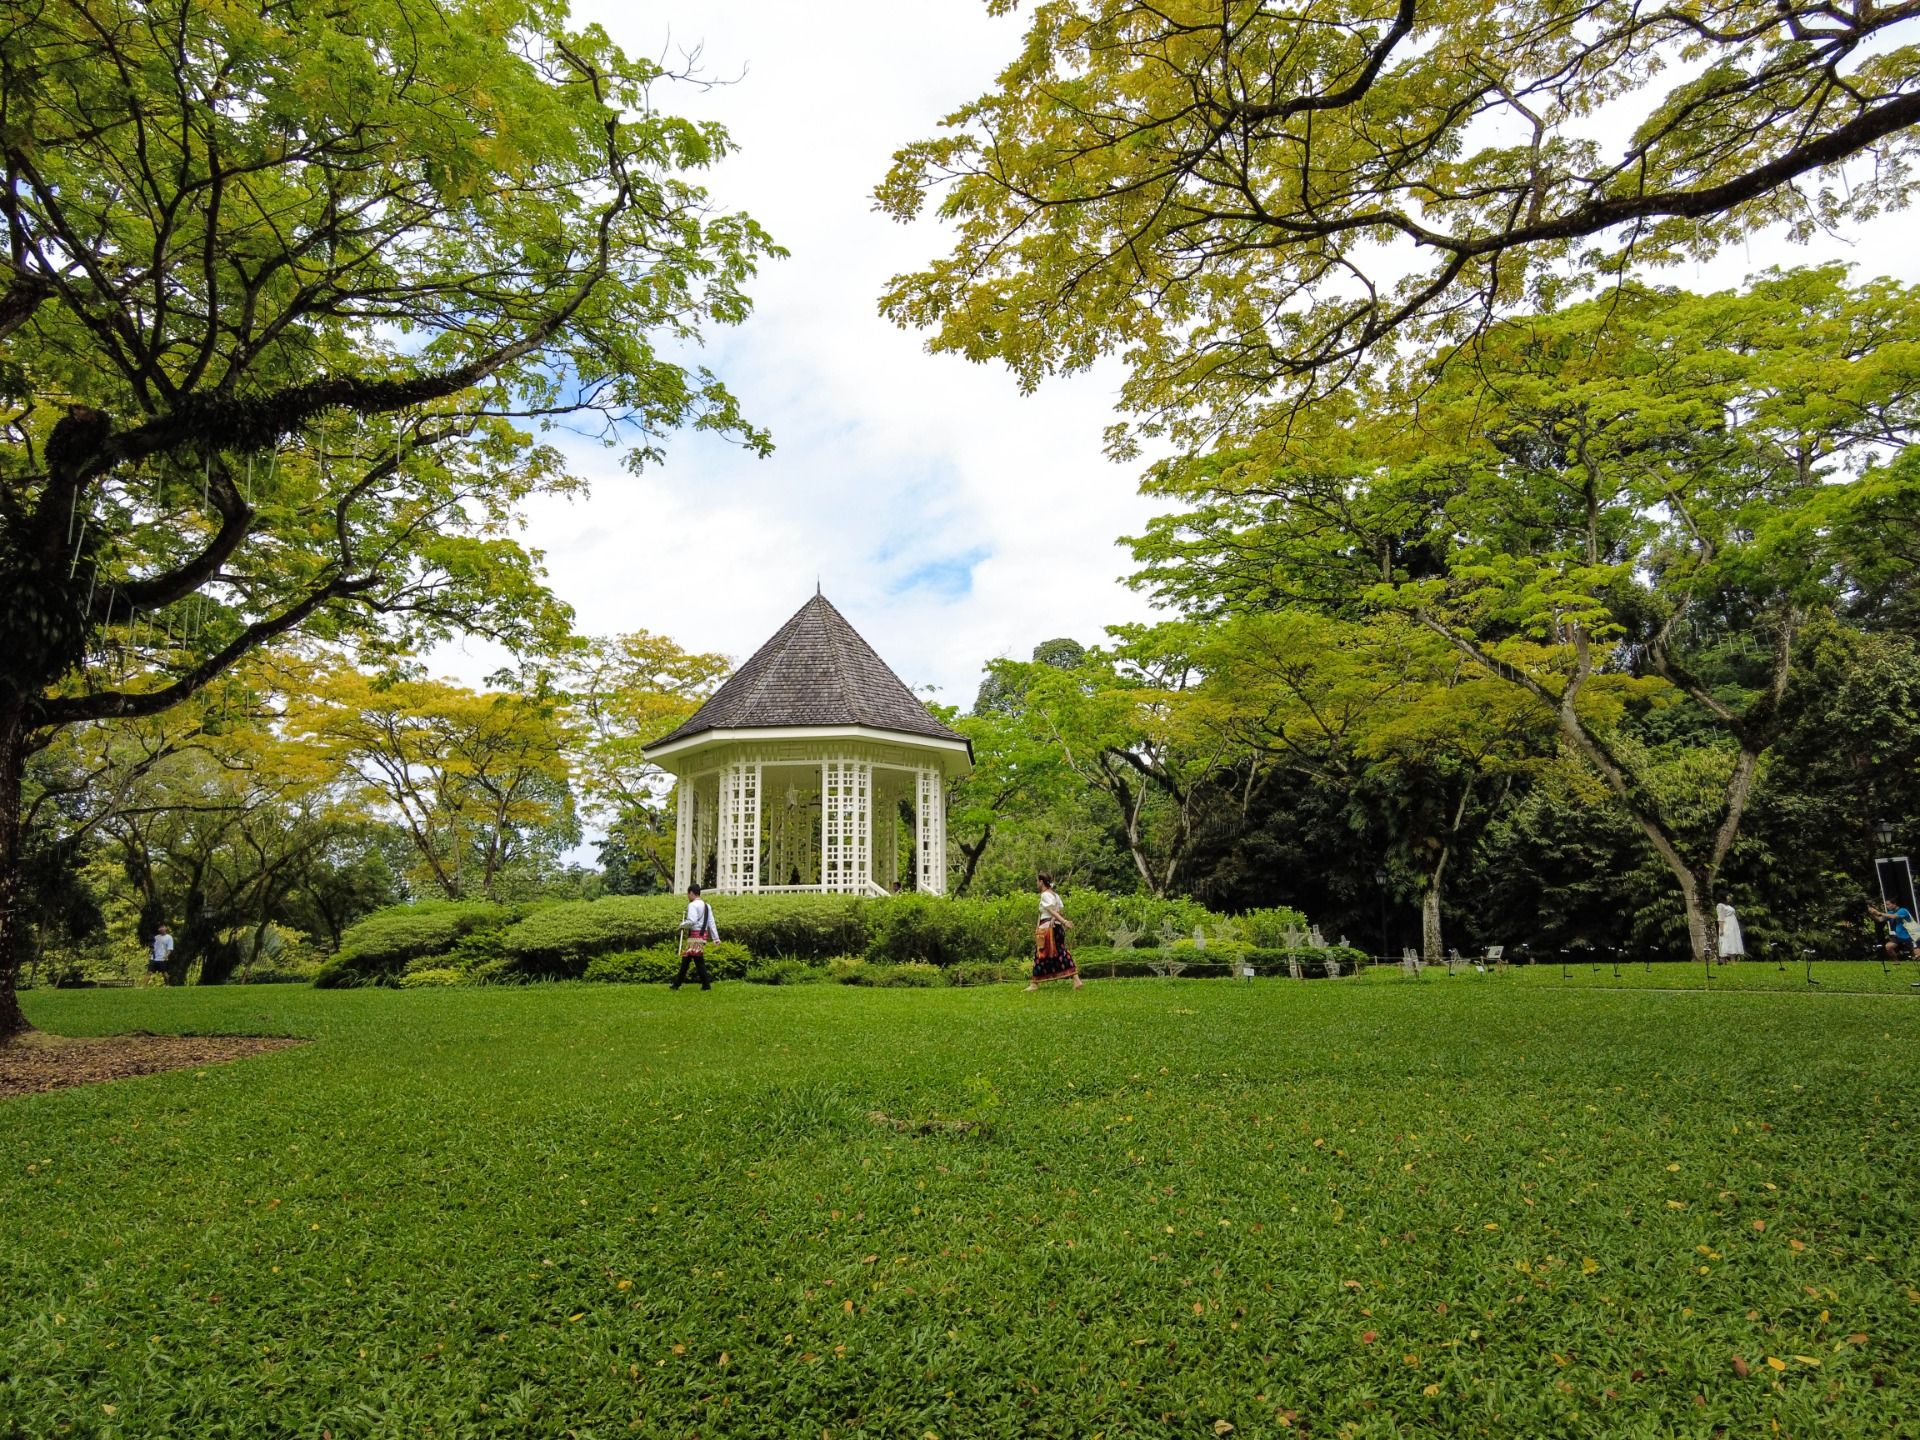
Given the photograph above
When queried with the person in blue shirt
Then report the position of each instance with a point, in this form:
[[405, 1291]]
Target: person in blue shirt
[[1900, 929]]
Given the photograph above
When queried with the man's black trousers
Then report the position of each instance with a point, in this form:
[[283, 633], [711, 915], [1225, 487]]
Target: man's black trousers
[[706, 980]]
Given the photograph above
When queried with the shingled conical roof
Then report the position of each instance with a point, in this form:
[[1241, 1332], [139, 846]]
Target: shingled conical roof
[[816, 670]]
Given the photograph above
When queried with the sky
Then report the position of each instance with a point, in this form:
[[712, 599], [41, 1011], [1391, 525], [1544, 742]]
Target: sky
[[949, 517]]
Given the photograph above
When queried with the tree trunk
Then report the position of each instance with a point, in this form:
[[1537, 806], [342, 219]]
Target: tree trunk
[[1430, 921], [1703, 929], [13, 766], [1697, 883], [971, 854]]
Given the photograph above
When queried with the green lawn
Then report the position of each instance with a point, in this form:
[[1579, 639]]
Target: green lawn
[[1850, 976], [1449, 1207]]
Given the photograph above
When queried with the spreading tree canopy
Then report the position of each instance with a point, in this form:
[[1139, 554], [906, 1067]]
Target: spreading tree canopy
[[284, 291], [1240, 196]]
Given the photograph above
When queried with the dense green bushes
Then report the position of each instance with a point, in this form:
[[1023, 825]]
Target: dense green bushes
[[726, 960], [635, 937], [384, 944], [559, 940]]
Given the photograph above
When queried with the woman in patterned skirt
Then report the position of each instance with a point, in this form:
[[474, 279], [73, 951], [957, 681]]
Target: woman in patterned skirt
[[1051, 958]]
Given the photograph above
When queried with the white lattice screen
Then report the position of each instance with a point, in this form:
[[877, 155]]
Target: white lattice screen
[[739, 858], [930, 810], [683, 836], [846, 794]]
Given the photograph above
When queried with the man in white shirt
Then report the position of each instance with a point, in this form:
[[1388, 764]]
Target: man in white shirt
[[698, 928], [162, 954]]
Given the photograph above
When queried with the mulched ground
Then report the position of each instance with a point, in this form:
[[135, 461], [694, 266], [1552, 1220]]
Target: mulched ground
[[34, 1061]]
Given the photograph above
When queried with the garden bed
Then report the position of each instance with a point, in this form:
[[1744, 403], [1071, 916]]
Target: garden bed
[[36, 1062]]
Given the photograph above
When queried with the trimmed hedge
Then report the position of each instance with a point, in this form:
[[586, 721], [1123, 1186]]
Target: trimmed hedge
[[560, 939], [948, 931], [383, 945], [500, 944], [658, 966]]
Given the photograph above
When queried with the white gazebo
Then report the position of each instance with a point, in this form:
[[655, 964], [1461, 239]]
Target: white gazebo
[[813, 770]]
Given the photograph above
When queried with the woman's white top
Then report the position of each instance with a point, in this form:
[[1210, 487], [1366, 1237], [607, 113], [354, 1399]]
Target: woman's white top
[[1050, 906], [1731, 941]]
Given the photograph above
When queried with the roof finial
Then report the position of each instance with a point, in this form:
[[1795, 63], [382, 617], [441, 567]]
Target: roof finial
[[816, 587]]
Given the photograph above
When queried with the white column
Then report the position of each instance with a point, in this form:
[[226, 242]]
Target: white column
[[930, 811], [846, 846], [739, 867], [683, 834], [723, 827], [860, 824], [830, 848]]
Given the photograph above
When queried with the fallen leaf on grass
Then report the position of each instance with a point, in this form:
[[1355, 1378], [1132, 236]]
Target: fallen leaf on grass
[[1774, 1362], [1796, 1245], [1740, 1367], [1856, 1339], [1433, 1389], [1367, 1337]]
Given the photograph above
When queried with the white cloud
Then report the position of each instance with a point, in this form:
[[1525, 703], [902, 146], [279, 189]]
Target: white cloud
[[891, 462]]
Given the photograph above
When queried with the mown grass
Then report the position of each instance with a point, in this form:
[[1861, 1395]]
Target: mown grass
[[1321, 1208], [1868, 977]]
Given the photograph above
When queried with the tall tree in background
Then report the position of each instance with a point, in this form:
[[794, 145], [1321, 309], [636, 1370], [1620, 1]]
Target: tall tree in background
[[478, 780], [1123, 722], [1658, 489], [626, 691], [1016, 776], [279, 288], [1382, 714], [1249, 201]]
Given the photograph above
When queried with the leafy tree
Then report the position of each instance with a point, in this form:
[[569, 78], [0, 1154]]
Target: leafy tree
[[1636, 499], [625, 692], [478, 780], [218, 827], [281, 288], [1123, 723], [1242, 197], [1017, 776], [1421, 747]]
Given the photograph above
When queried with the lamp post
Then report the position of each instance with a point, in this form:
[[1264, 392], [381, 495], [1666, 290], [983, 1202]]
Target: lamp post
[[1380, 884]]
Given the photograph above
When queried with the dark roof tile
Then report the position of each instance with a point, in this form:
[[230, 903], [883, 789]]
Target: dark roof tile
[[816, 670]]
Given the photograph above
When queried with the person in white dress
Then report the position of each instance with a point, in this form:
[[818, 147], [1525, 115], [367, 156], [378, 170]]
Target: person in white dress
[[1052, 960], [1732, 946]]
